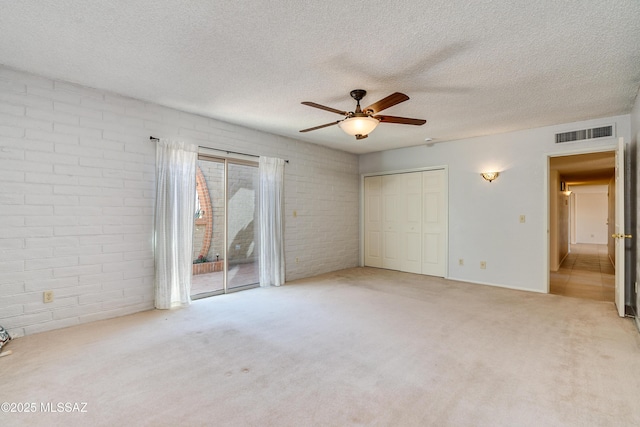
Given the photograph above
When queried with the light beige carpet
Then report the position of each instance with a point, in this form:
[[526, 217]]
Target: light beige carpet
[[356, 347]]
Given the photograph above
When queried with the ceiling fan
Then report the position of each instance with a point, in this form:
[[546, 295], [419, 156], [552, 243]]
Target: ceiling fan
[[361, 122]]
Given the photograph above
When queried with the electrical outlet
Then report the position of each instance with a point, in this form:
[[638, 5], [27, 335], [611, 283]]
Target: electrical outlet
[[523, 219], [483, 265], [461, 261], [47, 296]]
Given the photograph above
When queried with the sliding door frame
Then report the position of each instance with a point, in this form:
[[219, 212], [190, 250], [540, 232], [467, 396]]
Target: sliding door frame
[[225, 233]]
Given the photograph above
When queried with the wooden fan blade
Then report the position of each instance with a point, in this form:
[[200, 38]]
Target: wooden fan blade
[[321, 126], [389, 101], [361, 136], [322, 107], [400, 120]]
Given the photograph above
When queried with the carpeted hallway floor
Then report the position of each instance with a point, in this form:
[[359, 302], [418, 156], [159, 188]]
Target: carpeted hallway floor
[[355, 347]]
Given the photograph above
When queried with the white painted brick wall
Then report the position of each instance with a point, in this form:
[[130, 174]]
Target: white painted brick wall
[[77, 185]]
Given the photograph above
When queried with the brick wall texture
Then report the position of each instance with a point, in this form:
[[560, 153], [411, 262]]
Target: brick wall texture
[[77, 185]]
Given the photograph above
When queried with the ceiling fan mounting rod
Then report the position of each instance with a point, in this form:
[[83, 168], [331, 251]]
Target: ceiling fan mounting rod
[[358, 94]]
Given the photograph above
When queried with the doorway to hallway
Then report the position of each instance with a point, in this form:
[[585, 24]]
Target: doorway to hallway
[[576, 169]]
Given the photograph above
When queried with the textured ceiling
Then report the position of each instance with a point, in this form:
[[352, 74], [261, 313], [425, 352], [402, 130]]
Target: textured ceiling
[[471, 68]]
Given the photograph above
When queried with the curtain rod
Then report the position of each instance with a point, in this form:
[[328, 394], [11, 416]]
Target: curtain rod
[[153, 138]]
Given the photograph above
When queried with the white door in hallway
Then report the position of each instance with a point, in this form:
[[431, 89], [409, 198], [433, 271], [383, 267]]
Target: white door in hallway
[[412, 235], [620, 235]]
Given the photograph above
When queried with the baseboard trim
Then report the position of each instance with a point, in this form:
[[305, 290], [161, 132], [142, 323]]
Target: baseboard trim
[[496, 285]]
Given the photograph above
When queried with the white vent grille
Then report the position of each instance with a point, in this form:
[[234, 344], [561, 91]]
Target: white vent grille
[[584, 134]]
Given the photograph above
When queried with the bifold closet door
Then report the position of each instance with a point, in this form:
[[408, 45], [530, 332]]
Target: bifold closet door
[[434, 223], [406, 222], [410, 222], [373, 221], [391, 222]]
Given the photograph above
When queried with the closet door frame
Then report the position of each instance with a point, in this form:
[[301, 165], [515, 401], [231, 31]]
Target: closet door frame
[[401, 171]]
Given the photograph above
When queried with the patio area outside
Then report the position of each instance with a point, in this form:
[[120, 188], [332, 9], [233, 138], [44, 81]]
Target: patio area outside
[[242, 274]]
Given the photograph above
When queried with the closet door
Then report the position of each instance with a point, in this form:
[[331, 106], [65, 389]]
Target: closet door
[[434, 223], [410, 222], [373, 221], [391, 190], [405, 225]]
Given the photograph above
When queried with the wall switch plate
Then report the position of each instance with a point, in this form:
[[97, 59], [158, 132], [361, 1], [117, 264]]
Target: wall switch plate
[[523, 219], [483, 265], [47, 296], [461, 261], [295, 214]]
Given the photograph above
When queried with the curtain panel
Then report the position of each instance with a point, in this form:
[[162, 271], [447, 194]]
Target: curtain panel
[[174, 213], [271, 221]]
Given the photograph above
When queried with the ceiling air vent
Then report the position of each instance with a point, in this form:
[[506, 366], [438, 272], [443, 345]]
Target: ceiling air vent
[[583, 134]]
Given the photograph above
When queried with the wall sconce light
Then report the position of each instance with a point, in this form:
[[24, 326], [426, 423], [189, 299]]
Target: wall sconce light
[[490, 176]]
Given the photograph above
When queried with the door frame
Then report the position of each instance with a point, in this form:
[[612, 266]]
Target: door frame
[[611, 147], [395, 172], [212, 155], [620, 226]]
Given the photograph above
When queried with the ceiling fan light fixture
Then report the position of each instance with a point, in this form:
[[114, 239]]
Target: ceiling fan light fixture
[[358, 125]]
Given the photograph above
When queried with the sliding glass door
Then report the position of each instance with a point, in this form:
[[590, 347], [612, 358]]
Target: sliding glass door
[[242, 226], [225, 246]]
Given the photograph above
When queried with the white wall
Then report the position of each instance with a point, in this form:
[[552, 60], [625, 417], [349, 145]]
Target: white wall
[[77, 183], [484, 217], [591, 212]]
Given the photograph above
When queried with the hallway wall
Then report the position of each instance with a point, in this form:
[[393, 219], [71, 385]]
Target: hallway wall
[[591, 212]]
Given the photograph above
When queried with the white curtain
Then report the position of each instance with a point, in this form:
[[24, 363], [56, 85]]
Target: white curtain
[[271, 222], [175, 204]]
